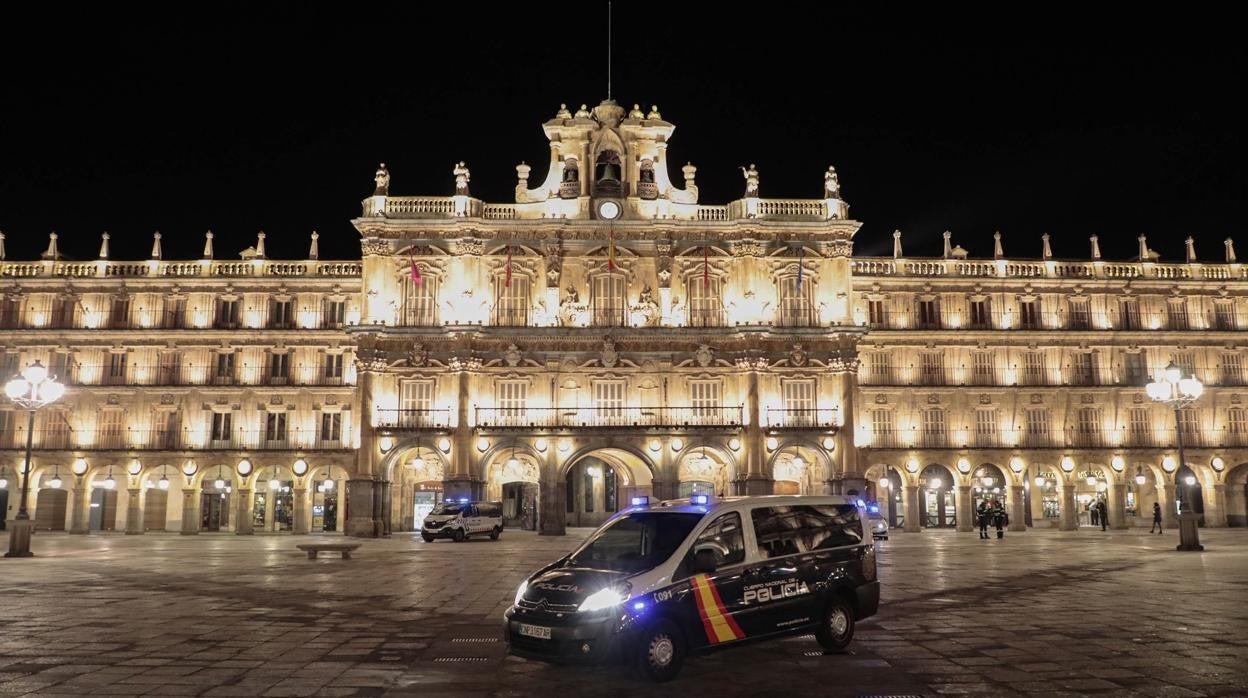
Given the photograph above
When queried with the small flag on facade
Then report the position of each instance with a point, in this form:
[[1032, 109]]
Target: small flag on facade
[[801, 251], [415, 269], [611, 251], [507, 281], [706, 266]]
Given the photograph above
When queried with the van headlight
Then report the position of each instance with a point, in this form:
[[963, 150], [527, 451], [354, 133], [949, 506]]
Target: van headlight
[[524, 586], [605, 598]]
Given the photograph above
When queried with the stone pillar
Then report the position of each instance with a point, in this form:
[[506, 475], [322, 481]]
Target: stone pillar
[[846, 381], [553, 508], [1037, 507], [964, 509], [190, 512], [1215, 506], [303, 513], [755, 480], [1069, 516], [459, 482], [1235, 506], [242, 520], [358, 499], [1165, 495], [1117, 502], [387, 507], [1017, 519], [910, 502], [79, 498], [134, 511]]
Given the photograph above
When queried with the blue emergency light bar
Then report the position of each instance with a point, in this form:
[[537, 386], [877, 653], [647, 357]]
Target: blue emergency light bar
[[700, 499], [641, 501], [463, 500]]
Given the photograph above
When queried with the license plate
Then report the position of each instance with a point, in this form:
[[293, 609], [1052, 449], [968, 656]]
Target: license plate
[[535, 631]]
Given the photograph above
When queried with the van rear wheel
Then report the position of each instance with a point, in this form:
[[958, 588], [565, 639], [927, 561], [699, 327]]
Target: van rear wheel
[[495, 533], [458, 536], [660, 652], [836, 629]]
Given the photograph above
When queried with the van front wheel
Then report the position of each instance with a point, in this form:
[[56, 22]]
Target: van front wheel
[[837, 626], [458, 536], [660, 652]]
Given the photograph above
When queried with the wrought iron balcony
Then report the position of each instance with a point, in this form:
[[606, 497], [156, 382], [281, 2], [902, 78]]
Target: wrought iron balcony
[[172, 440], [616, 417], [813, 418], [413, 419]]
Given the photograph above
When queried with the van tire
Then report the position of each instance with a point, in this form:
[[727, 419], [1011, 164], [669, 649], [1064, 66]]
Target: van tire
[[495, 533], [660, 651], [428, 538], [836, 627], [458, 536]]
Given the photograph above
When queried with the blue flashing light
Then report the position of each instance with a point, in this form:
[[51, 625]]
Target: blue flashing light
[[449, 500], [699, 499], [463, 500], [641, 501], [861, 504], [874, 508], [639, 606]]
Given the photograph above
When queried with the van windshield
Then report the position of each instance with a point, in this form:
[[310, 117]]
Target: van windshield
[[448, 509], [636, 542]]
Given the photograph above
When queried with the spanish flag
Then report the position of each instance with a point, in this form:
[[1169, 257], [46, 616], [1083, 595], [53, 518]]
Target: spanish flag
[[415, 270], [611, 250], [719, 624]]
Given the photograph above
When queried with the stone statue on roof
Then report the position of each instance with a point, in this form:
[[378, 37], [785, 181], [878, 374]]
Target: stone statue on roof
[[382, 178], [751, 180]]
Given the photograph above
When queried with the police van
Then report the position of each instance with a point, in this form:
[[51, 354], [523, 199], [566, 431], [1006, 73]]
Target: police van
[[656, 583], [459, 520]]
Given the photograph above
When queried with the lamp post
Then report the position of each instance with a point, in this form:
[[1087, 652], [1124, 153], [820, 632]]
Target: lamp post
[[30, 391], [1177, 392]]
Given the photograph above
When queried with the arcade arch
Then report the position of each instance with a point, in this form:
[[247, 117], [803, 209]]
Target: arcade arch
[[598, 481]]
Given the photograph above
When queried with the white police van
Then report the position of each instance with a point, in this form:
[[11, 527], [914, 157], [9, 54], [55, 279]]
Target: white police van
[[461, 519], [656, 583]]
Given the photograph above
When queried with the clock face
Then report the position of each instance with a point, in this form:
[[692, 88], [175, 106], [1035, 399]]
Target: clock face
[[609, 210]]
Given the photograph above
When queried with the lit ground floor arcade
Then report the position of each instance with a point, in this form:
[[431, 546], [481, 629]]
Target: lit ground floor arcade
[[1063, 490]]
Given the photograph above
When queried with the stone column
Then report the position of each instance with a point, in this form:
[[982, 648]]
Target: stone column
[[1165, 495], [552, 509], [79, 498], [1235, 506], [358, 499], [190, 512], [134, 511], [1117, 501], [302, 513], [910, 503], [846, 380], [1215, 506], [755, 480], [387, 507], [459, 481], [964, 509], [1017, 519], [242, 521], [1037, 507], [1069, 516]]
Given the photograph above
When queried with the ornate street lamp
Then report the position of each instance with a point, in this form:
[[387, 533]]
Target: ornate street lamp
[[30, 391], [1177, 392]]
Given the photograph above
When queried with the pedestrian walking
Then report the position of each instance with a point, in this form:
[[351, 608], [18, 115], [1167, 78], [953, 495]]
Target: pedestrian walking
[[1093, 513], [1156, 518], [1104, 513]]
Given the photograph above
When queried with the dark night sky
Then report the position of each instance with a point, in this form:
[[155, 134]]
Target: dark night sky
[[273, 117]]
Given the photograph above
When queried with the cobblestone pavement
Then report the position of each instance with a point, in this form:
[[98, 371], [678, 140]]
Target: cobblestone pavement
[[1038, 613]]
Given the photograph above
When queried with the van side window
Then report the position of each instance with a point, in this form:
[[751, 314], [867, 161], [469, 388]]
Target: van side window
[[787, 530], [724, 538]]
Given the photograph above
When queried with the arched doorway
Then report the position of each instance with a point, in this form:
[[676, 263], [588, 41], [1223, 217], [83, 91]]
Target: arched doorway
[[704, 470], [936, 489], [1237, 496], [513, 477], [1187, 492], [891, 489], [796, 469], [1046, 500], [156, 485], [1091, 489], [601, 482], [416, 476], [327, 483], [988, 485], [50, 506], [273, 500], [215, 499]]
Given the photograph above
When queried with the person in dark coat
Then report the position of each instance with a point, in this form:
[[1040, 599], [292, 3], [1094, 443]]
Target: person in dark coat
[[981, 516], [1156, 518], [999, 518], [1104, 512]]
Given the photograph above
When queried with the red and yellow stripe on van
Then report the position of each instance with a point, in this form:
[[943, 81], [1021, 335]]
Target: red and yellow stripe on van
[[720, 626]]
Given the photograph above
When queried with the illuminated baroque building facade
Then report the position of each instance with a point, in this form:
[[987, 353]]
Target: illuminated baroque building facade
[[607, 336]]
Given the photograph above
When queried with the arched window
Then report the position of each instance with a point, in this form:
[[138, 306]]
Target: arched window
[[706, 300], [511, 300], [420, 301], [797, 308], [608, 298]]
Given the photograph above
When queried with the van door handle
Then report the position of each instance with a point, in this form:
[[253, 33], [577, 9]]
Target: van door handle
[[754, 571]]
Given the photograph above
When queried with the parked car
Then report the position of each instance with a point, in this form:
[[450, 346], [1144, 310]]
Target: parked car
[[459, 520]]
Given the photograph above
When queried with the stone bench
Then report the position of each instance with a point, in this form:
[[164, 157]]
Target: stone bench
[[314, 548]]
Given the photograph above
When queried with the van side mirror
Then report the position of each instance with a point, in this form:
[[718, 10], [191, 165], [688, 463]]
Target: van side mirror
[[703, 562]]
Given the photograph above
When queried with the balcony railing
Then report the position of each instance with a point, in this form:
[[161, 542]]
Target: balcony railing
[[413, 419], [620, 417], [171, 439], [78, 320], [200, 375], [812, 418]]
